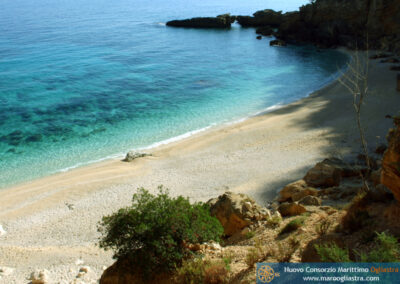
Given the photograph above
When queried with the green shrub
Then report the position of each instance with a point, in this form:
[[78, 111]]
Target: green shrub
[[293, 225], [153, 231], [387, 250], [198, 270], [250, 234], [332, 253], [192, 271]]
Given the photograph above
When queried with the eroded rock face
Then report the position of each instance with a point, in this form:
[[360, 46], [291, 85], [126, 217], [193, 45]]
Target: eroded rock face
[[324, 174], [236, 211], [332, 23], [221, 21], [261, 18], [296, 191], [390, 176]]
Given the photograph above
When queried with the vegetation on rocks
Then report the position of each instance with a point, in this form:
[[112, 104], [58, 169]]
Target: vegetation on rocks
[[153, 232]]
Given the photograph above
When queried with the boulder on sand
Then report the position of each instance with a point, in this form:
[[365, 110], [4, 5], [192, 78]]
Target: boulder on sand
[[132, 155]]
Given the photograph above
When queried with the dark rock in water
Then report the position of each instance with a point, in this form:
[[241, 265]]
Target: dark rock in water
[[265, 31], [395, 68], [12, 150], [261, 18], [277, 42], [219, 22], [259, 37], [34, 138]]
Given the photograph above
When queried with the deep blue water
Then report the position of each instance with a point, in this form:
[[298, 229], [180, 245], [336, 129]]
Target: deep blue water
[[82, 80]]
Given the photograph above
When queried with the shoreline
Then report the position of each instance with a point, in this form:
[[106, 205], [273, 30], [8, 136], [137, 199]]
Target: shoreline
[[257, 156], [214, 126]]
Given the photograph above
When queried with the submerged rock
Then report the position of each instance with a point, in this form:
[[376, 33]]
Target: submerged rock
[[221, 21], [277, 42]]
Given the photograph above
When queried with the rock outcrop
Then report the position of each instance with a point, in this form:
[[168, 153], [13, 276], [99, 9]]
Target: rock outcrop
[[390, 176], [296, 191], [220, 22], [236, 211], [261, 18], [350, 23], [291, 209], [324, 174]]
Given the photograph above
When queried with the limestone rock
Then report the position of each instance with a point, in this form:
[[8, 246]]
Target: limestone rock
[[39, 277], [291, 209], [324, 174], [296, 191], [390, 176], [310, 200], [236, 211], [132, 155], [352, 23], [221, 21]]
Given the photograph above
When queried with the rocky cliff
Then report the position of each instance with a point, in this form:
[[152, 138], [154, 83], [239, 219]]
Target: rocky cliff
[[352, 23]]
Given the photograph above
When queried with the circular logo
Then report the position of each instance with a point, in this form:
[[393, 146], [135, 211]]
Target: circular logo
[[266, 274]]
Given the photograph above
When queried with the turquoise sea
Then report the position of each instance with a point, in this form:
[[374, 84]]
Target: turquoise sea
[[84, 80]]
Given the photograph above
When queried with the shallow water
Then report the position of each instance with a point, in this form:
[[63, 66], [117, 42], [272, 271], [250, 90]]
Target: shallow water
[[84, 80]]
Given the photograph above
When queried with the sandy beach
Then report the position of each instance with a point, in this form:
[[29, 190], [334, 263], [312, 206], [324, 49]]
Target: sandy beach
[[51, 223]]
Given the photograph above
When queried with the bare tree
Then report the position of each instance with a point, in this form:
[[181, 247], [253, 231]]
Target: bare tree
[[356, 82]]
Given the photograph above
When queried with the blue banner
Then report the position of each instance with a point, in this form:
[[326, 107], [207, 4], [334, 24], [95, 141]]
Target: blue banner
[[351, 272]]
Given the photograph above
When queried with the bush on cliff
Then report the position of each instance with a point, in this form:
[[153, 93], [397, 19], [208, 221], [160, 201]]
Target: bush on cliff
[[153, 231]]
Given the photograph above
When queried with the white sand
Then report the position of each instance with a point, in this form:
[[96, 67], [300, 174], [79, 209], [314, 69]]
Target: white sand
[[257, 157]]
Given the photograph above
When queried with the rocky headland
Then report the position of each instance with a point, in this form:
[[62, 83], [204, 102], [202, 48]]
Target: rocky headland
[[220, 22], [355, 24]]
